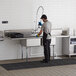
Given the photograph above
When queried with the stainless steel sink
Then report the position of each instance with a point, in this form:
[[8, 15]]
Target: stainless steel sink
[[27, 33]]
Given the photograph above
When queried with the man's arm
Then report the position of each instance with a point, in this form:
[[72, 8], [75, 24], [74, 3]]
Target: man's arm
[[39, 33]]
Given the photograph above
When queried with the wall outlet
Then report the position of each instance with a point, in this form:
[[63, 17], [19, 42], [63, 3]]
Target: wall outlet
[[4, 22]]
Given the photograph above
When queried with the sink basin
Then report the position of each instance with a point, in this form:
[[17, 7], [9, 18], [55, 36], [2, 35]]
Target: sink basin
[[33, 35], [29, 35]]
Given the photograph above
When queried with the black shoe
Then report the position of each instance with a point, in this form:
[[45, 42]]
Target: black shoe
[[45, 61]]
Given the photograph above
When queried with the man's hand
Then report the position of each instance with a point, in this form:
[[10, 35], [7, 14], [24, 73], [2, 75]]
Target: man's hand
[[37, 35]]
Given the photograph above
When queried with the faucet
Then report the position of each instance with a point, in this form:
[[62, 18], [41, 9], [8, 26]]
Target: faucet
[[37, 15]]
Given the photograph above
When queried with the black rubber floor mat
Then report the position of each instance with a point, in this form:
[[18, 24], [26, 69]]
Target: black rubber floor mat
[[37, 64]]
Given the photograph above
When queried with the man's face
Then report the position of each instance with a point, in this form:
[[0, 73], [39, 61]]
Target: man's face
[[44, 20]]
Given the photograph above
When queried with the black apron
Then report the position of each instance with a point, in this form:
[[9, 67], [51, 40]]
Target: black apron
[[44, 38], [46, 44]]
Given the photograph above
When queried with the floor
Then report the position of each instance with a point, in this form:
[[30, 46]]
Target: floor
[[66, 70]]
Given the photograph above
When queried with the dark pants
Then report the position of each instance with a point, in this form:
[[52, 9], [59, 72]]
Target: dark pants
[[46, 44]]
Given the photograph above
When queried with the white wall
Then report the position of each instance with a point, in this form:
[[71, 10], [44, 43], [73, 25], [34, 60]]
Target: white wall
[[21, 14], [62, 13], [9, 49], [18, 13]]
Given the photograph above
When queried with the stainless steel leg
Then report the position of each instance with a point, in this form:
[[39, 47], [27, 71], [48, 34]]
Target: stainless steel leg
[[26, 54], [21, 50], [69, 56], [53, 51]]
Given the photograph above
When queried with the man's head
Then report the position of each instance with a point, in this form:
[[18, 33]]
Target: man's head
[[44, 18]]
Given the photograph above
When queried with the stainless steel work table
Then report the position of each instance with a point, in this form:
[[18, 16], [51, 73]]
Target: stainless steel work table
[[25, 44]]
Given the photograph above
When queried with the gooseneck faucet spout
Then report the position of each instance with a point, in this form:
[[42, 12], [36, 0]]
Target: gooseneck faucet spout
[[36, 28]]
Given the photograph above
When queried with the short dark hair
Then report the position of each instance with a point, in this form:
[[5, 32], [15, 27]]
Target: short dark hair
[[44, 16]]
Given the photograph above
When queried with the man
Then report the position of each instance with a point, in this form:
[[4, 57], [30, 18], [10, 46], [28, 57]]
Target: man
[[46, 29]]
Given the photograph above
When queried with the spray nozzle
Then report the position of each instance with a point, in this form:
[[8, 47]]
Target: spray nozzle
[[40, 24]]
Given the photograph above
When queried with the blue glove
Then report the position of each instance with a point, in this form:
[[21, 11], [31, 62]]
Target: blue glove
[[37, 35], [39, 23]]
